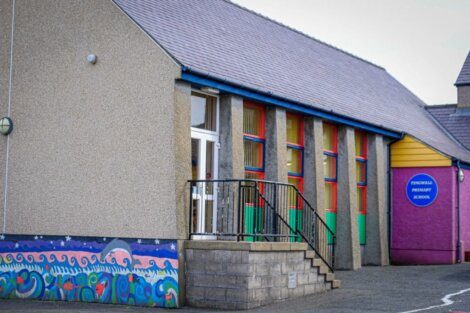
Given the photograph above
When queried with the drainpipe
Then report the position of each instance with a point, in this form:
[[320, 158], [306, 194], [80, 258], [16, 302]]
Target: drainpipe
[[459, 217], [389, 194]]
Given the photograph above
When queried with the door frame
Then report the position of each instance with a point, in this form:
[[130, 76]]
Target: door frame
[[203, 136]]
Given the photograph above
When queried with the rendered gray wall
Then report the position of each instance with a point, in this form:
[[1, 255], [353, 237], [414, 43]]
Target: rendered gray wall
[[92, 152]]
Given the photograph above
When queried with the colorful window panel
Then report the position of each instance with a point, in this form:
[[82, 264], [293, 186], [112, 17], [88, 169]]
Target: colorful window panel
[[330, 159], [331, 197], [295, 150], [295, 161], [254, 119], [330, 138], [361, 180], [360, 139], [361, 167], [361, 201]]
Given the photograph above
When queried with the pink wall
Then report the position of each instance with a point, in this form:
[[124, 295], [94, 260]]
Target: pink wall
[[425, 235], [465, 210]]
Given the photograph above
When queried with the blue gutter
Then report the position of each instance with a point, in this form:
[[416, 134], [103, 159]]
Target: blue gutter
[[205, 80], [460, 164]]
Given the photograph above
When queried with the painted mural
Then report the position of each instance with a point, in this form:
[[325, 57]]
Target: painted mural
[[118, 271]]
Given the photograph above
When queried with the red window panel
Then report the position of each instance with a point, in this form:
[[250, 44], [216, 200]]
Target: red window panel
[[362, 199], [331, 196]]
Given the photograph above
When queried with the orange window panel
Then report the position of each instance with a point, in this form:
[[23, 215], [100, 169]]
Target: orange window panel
[[331, 204]]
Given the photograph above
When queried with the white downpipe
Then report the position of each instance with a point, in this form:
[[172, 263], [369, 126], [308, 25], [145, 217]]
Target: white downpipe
[[5, 194]]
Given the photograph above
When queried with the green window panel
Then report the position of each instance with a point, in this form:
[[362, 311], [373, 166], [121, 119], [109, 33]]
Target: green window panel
[[331, 223], [361, 223], [295, 221], [253, 222]]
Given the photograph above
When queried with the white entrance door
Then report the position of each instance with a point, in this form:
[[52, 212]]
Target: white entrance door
[[205, 167], [204, 159]]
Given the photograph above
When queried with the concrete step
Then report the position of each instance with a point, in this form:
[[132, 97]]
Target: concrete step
[[323, 270], [317, 262], [329, 277], [336, 283], [309, 254]]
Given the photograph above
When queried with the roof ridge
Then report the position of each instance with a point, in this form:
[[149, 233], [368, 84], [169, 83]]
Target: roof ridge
[[304, 34], [432, 106]]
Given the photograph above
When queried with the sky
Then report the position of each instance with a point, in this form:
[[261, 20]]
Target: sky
[[422, 43]]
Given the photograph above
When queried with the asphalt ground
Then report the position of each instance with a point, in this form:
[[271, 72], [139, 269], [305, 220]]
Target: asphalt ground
[[371, 289]]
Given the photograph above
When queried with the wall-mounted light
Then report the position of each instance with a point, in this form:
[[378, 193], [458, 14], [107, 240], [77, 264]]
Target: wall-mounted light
[[91, 58], [461, 175], [210, 90], [6, 125]]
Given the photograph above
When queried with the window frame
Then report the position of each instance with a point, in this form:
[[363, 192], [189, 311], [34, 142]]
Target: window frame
[[261, 138], [362, 159], [334, 154], [217, 112], [300, 146]]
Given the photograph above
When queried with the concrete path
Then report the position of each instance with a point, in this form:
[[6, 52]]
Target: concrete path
[[373, 289]]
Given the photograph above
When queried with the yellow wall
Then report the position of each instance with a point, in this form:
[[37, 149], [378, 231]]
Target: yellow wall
[[410, 152]]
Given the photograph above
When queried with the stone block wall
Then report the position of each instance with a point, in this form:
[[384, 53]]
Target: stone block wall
[[250, 275]]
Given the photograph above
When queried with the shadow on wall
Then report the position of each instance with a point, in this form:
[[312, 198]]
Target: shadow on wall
[[118, 271]]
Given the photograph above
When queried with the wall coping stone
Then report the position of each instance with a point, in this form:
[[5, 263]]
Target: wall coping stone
[[244, 246]]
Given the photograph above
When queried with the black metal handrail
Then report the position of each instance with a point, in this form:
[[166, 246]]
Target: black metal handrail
[[257, 210]]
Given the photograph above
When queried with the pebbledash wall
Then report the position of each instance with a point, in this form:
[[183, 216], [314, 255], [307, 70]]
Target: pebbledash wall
[[428, 234], [63, 175]]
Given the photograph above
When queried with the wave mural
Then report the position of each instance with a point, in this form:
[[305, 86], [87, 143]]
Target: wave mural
[[118, 271]]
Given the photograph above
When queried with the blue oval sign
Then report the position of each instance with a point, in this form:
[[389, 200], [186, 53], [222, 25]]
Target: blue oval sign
[[421, 190]]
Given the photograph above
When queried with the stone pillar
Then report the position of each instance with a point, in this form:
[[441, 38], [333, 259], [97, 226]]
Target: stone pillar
[[348, 251], [314, 171], [276, 146], [231, 162], [376, 251]]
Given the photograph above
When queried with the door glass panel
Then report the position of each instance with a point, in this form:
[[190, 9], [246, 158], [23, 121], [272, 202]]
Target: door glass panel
[[208, 215], [203, 111], [209, 165], [194, 158]]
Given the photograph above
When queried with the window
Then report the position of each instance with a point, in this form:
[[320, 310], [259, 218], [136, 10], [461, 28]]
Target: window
[[295, 145], [295, 155], [254, 120], [361, 181], [203, 111], [330, 163]]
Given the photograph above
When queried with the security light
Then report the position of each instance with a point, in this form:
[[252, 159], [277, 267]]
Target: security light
[[6, 125], [461, 175], [210, 90]]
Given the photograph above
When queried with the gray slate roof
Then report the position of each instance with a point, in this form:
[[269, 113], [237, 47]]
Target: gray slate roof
[[456, 121], [464, 76], [232, 43]]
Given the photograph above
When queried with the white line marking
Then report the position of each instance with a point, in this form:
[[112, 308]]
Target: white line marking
[[447, 301]]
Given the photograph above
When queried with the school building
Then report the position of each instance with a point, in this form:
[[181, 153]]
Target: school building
[[171, 152]]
